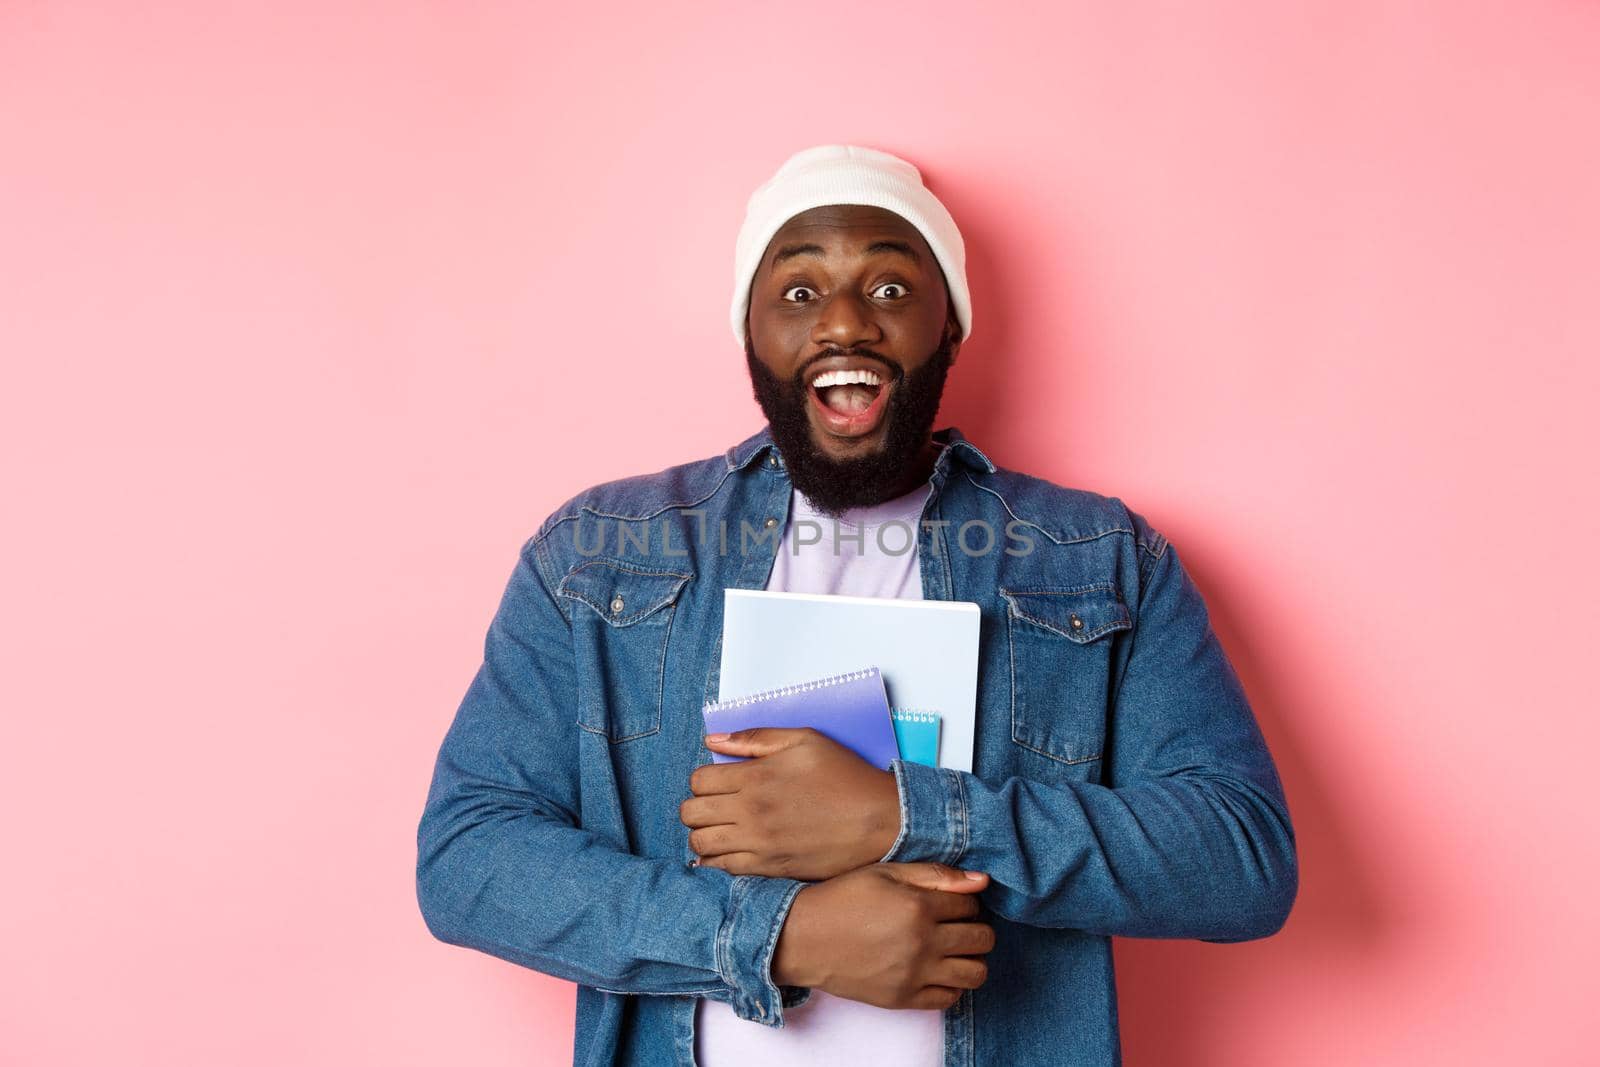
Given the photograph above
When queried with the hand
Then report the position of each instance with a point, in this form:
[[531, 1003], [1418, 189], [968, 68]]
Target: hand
[[805, 807], [897, 935]]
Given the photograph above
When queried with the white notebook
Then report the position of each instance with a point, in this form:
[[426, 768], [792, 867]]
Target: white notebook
[[926, 649]]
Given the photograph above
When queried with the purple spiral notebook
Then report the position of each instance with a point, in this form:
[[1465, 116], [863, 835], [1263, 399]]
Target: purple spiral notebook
[[852, 709]]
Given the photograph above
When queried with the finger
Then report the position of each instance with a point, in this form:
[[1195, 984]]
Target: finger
[[936, 998], [707, 811], [713, 778], [732, 862], [953, 907], [716, 840], [757, 741], [939, 876], [963, 939], [960, 972]]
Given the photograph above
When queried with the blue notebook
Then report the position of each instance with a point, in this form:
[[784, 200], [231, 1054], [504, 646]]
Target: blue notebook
[[917, 734], [851, 708]]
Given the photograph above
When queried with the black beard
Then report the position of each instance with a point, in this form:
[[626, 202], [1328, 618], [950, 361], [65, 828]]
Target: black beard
[[834, 485]]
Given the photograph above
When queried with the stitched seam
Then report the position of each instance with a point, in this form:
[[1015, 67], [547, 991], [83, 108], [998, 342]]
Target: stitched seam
[[551, 528], [947, 829], [1153, 556], [1077, 637], [1122, 622], [664, 507], [651, 993], [1041, 529], [618, 740], [965, 452], [963, 831], [1157, 546], [661, 668], [944, 556], [1122, 674], [966, 816], [766, 953], [905, 809], [539, 567], [544, 534], [622, 620], [1061, 590], [755, 450], [988, 464], [625, 566], [1052, 755], [722, 950], [1011, 643], [1146, 574], [602, 609]]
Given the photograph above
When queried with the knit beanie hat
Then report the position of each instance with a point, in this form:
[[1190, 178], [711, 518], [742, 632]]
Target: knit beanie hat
[[847, 174]]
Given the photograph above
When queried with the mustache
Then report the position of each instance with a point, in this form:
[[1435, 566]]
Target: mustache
[[895, 370]]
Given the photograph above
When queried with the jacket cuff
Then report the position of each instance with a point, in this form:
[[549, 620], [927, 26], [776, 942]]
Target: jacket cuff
[[746, 942], [933, 815]]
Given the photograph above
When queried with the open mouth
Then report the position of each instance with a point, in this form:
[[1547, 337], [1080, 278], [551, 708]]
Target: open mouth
[[849, 403]]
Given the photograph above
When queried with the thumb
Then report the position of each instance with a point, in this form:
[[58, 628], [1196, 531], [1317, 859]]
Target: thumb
[[756, 741], [938, 876]]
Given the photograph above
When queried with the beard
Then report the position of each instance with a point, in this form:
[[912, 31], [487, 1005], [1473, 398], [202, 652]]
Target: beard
[[833, 485]]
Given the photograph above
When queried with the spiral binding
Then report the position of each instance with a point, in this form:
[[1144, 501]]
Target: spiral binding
[[799, 687], [914, 715]]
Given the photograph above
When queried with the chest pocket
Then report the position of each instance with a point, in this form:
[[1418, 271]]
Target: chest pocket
[[620, 631], [1061, 642]]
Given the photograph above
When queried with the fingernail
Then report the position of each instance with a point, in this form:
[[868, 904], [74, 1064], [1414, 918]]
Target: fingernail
[[975, 876], [716, 737]]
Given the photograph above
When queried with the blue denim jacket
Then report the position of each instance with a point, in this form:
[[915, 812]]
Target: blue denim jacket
[[1121, 784]]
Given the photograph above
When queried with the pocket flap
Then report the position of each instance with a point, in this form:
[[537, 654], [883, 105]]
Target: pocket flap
[[1077, 614], [622, 593]]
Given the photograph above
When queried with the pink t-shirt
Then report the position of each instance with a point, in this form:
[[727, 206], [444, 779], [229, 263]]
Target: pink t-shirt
[[871, 551]]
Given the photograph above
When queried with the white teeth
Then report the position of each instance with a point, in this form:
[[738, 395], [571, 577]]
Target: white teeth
[[845, 377]]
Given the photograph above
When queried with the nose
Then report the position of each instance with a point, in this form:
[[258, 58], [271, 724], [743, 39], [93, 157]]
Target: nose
[[845, 321]]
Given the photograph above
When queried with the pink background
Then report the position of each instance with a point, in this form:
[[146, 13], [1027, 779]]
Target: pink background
[[309, 316]]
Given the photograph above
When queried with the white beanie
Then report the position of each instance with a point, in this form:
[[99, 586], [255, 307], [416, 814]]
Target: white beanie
[[847, 174]]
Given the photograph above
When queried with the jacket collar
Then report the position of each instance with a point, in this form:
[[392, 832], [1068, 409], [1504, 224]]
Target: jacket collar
[[757, 444]]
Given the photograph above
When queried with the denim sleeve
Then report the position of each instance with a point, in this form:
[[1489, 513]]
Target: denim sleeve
[[1189, 834], [505, 866]]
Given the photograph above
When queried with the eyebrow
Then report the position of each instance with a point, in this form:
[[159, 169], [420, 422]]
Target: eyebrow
[[875, 248]]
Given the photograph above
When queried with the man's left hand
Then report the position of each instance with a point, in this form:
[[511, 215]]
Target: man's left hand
[[803, 807]]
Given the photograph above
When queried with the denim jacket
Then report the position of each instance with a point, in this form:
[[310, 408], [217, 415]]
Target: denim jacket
[[1121, 784]]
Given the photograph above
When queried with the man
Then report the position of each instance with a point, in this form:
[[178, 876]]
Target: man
[[801, 905]]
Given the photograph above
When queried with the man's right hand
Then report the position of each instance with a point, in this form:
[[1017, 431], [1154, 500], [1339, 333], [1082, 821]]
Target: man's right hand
[[896, 935]]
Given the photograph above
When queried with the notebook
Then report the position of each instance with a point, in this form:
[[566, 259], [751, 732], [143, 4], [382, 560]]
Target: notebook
[[852, 709], [927, 651], [916, 733]]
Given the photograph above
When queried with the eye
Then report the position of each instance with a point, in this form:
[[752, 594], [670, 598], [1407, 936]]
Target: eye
[[799, 288], [893, 285]]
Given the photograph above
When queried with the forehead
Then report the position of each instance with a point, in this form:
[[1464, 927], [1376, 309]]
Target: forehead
[[846, 229]]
